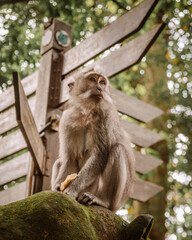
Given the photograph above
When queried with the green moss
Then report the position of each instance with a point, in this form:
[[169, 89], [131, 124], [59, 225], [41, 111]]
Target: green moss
[[50, 215]]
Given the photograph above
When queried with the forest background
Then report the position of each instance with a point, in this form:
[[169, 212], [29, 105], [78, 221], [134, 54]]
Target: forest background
[[162, 78]]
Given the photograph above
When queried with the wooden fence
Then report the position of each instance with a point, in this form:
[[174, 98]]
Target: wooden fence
[[23, 154]]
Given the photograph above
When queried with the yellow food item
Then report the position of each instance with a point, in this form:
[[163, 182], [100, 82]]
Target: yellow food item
[[68, 179]]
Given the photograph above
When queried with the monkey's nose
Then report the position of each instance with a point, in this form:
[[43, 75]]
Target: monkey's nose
[[98, 87]]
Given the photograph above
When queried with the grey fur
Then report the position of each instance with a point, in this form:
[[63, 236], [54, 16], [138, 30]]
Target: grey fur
[[94, 145]]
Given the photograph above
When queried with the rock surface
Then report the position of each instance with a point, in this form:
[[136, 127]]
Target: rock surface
[[50, 215]]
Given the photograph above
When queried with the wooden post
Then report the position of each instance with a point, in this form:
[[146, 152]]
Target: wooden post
[[56, 40], [27, 125]]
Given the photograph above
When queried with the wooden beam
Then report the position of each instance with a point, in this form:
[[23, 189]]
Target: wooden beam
[[115, 32], [8, 118], [126, 104], [119, 60], [145, 163], [134, 107], [29, 84], [140, 136], [129, 54], [143, 191], [27, 125], [13, 194], [14, 168], [11, 144], [45, 90]]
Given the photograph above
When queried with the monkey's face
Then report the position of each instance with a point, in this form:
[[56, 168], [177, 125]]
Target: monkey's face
[[92, 85], [95, 85]]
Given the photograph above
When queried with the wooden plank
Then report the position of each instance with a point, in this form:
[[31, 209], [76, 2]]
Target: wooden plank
[[35, 182], [8, 118], [143, 190], [27, 124], [118, 30], [14, 168], [11, 144], [141, 136], [129, 54], [128, 105], [15, 142], [145, 163], [13, 194], [134, 107], [119, 60], [7, 98], [44, 110], [43, 89]]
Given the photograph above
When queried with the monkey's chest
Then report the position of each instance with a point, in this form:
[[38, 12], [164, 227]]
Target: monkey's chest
[[82, 141]]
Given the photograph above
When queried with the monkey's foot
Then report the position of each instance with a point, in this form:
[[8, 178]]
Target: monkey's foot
[[87, 198], [68, 179]]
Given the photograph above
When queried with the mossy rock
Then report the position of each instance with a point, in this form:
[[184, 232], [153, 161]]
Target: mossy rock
[[51, 215]]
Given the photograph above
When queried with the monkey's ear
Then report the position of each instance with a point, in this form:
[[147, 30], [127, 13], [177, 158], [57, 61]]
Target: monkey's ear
[[71, 85]]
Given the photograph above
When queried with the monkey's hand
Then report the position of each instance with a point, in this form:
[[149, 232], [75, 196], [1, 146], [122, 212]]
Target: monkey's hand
[[72, 189], [67, 181], [87, 198]]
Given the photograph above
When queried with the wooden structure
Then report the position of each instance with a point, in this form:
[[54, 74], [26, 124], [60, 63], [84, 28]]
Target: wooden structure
[[41, 94]]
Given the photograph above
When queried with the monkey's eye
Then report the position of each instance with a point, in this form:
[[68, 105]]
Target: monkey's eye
[[102, 82], [92, 79]]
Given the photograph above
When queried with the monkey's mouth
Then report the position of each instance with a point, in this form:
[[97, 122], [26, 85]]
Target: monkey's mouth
[[97, 96]]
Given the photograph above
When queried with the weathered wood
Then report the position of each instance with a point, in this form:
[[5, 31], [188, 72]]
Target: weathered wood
[[42, 93], [126, 104], [42, 96], [49, 39], [8, 118], [34, 182], [119, 60], [11, 144], [129, 54], [145, 163], [113, 33], [29, 84], [55, 81], [140, 136], [13, 194], [134, 107], [143, 191], [27, 124], [56, 28], [14, 168], [52, 147]]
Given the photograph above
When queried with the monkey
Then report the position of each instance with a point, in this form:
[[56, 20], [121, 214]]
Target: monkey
[[94, 145]]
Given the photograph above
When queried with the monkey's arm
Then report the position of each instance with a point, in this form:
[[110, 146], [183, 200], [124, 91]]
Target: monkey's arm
[[55, 172], [86, 177], [60, 171]]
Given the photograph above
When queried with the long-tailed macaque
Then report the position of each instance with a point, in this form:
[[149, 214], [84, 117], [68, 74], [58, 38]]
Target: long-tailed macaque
[[94, 145]]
